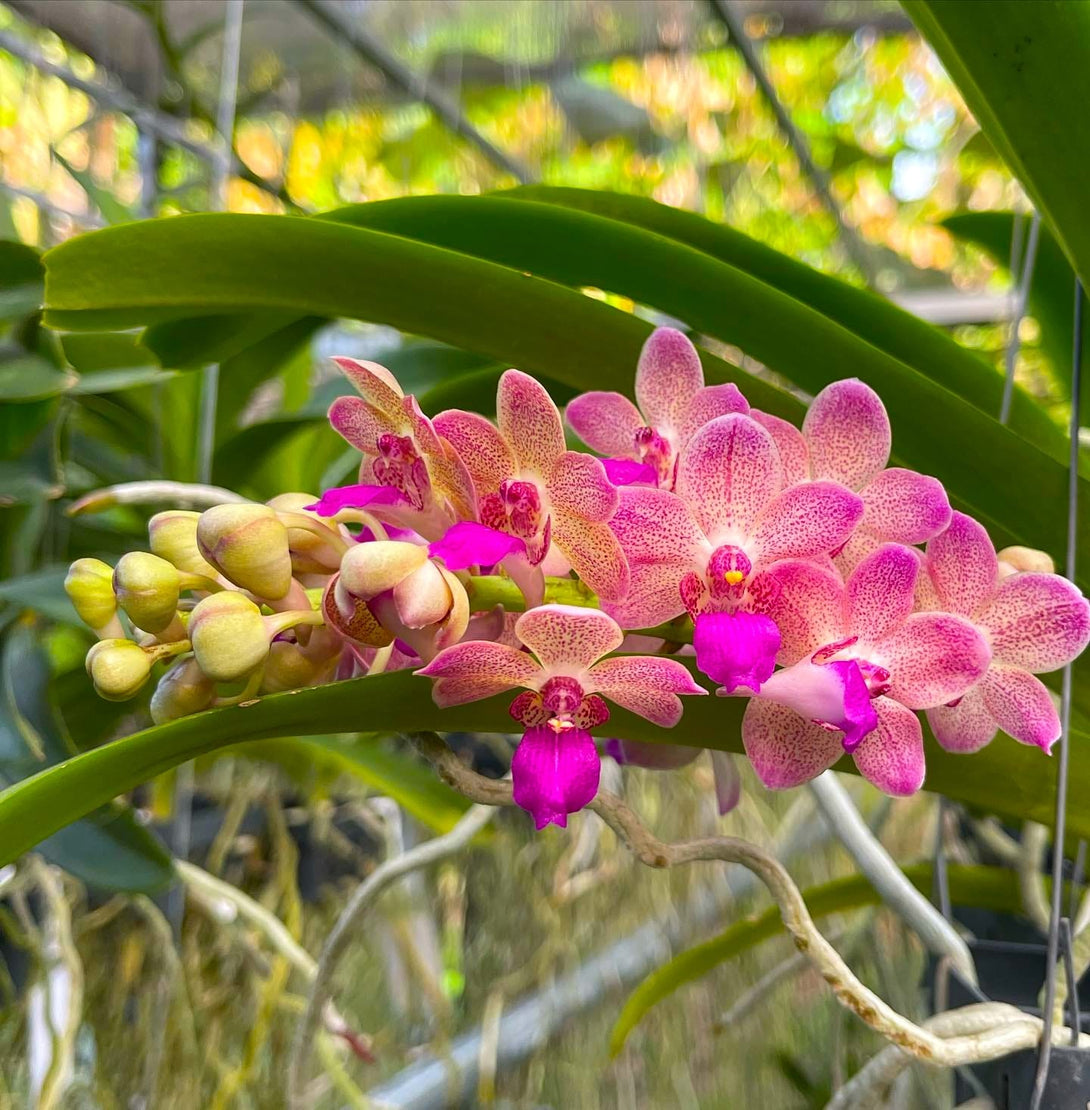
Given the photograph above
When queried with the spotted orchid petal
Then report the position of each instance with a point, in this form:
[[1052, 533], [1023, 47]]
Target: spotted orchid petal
[[805, 600], [736, 649], [482, 449], [478, 669], [355, 497], [905, 506], [668, 376], [933, 658], [728, 781], [645, 684], [467, 544], [654, 757], [812, 518], [790, 443], [566, 638], [1037, 621], [881, 591], [727, 475], [359, 423], [594, 553], [655, 526], [1021, 706], [706, 405], [579, 485], [605, 422], [628, 472], [891, 757], [833, 695], [848, 433], [653, 596], [786, 749], [374, 383], [966, 725], [530, 423], [962, 564], [554, 773]]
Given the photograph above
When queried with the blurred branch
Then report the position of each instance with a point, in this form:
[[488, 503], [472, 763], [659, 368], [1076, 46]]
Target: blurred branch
[[857, 250], [938, 934], [973, 1046], [371, 50], [390, 871]]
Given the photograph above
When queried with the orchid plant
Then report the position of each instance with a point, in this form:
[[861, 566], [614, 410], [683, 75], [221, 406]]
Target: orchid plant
[[781, 564]]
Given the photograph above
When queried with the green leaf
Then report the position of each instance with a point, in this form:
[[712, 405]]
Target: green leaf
[[1006, 778], [992, 888], [25, 376], [42, 591], [21, 279], [1024, 75], [107, 849], [394, 772], [1051, 293], [125, 377], [178, 268]]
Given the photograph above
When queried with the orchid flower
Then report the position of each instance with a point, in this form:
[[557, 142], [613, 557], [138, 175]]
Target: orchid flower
[[846, 437], [1035, 622], [556, 765], [409, 474], [697, 549], [643, 444], [857, 661], [529, 486]]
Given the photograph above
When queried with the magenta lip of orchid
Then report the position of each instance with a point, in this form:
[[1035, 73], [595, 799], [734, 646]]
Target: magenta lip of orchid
[[794, 551]]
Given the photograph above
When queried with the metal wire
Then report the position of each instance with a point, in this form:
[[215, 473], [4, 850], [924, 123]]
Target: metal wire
[[1065, 717], [1017, 315]]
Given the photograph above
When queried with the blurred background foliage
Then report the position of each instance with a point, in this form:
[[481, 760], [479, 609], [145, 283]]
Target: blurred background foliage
[[648, 98]]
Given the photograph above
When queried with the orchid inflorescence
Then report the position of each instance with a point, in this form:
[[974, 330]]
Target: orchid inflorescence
[[489, 557]]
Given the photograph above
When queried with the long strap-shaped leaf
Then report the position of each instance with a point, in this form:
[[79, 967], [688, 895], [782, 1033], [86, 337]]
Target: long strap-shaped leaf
[[1023, 70], [172, 269], [1005, 778]]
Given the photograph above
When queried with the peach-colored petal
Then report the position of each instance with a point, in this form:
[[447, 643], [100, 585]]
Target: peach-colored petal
[[966, 726], [962, 564], [579, 485], [594, 553], [786, 749], [374, 383], [727, 475], [653, 596], [605, 422], [566, 638], [791, 444], [848, 433], [806, 601], [359, 423], [530, 422], [668, 375], [808, 519], [480, 660], [645, 684], [479, 445], [1037, 621], [891, 757]]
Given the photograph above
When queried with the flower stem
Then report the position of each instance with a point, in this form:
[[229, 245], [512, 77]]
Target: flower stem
[[488, 590]]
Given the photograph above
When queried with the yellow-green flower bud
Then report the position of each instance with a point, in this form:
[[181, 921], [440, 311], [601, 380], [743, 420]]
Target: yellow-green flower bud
[[89, 585], [1019, 558], [118, 668], [228, 635], [183, 690], [372, 568], [288, 668], [249, 545], [173, 536], [147, 589], [316, 545]]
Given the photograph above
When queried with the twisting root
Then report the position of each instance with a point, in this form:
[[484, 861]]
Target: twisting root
[[971, 1046]]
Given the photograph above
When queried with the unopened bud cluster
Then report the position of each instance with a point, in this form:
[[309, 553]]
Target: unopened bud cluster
[[243, 599]]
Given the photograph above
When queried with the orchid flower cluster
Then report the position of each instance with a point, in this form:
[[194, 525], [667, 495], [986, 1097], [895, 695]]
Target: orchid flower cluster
[[840, 596]]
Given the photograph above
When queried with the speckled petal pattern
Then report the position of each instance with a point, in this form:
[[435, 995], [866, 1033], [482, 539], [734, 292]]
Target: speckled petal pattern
[[806, 601], [1037, 621], [645, 684], [905, 506], [579, 485], [892, 756], [848, 433], [965, 726], [668, 375], [568, 639], [480, 446], [605, 422], [933, 658], [530, 422], [813, 518], [785, 749], [962, 564], [1021, 705], [881, 591]]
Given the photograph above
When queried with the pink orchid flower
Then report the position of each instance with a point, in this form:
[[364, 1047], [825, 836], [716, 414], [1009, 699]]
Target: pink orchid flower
[[857, 662], [846, 437], [556, 766], [531, 487], [409, 474], [697, 549], [1035, 622], [643, 443]]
